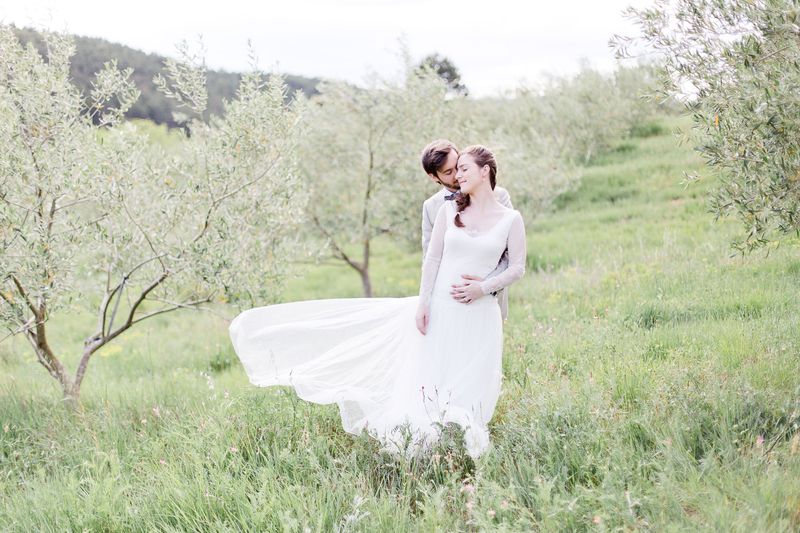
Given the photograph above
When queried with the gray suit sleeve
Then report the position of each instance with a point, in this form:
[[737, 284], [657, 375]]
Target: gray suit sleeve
[[504, 198]]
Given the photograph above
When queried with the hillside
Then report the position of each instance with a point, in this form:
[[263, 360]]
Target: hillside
[[92, 52]]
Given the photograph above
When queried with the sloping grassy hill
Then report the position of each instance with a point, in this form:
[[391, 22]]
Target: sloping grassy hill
[[652, 381]]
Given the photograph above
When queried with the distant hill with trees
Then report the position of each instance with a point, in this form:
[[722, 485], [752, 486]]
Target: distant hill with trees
[[92, 52]]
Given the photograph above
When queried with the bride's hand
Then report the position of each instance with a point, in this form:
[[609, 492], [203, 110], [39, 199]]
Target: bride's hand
[[423, 316], [468, 291]]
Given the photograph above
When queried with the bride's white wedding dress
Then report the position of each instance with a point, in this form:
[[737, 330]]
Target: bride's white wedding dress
[[367, 356]]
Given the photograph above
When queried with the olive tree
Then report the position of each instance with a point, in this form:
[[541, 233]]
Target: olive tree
[[361, 160], [93, 217], [446, 70], [737, 66], [529, 163], [543, 134], [586, 113]]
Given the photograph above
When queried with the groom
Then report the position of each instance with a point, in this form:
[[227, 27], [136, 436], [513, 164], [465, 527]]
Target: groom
[[439, 162]]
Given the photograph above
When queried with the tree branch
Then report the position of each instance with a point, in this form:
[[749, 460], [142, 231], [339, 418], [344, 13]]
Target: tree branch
[[51, 219], [109, 295], [20, 206], [343, 256], [175, 306], [216, 202], [75, 228], [143, 295], [97, 342], [18, 232], [116, 305], [76, 202], [24, 328], [25, 296], [17, 310], [144, 234], [140, 265], [365, 213], [103, 338], [44, 354]]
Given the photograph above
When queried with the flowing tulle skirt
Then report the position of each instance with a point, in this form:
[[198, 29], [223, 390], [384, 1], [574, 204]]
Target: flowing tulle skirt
[[366, 355]]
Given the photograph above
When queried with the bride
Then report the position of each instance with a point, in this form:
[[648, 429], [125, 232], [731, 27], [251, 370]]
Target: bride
[[405, 367]]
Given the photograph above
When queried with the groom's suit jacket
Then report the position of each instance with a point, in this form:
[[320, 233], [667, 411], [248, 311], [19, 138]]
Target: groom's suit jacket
[[429, 210]]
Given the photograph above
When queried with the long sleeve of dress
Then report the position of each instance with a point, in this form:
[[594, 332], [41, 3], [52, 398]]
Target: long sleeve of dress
[[427, 228], [433, 257], [517, 254]]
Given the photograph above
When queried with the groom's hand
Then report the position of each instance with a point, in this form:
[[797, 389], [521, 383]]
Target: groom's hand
[[468, 291]]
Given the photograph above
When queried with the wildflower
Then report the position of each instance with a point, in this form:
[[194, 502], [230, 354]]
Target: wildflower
[[156, 412], [470, 505], [468, 488], [143, 421], [162, 462], [760, 441], [504, 505], [491, 513], [596, 520], [234, 449]]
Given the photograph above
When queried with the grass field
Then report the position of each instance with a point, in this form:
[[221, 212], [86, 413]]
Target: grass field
[[651, 382]]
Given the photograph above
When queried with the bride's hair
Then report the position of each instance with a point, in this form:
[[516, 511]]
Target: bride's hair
[[435, 154], [482, 156]]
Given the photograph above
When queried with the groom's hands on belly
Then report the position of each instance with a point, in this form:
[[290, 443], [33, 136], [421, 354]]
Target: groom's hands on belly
[[468, 291]]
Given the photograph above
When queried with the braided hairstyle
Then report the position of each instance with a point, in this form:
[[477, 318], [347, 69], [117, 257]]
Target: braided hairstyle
[[482, 156]]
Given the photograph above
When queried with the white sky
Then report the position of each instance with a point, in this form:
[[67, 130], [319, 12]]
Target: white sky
[[496, 44]]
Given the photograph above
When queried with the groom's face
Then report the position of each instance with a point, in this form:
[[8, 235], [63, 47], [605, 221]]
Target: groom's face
[[446, 175]]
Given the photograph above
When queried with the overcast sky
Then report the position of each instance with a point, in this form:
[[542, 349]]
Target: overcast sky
[[496, 44]]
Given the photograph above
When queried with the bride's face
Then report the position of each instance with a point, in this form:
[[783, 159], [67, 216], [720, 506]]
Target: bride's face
[[468, 175]]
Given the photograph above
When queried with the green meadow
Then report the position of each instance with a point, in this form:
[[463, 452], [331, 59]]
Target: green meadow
[[651, 382]]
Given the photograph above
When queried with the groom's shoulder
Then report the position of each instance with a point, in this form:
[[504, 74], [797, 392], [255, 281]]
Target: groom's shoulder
[[434, 201], [503, 197], [501, 192]]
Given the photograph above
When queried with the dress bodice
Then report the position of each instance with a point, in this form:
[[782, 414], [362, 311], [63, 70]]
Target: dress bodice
[[474, 254]]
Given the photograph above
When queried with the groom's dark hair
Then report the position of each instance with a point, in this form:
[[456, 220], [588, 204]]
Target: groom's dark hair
[[435, 154]]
